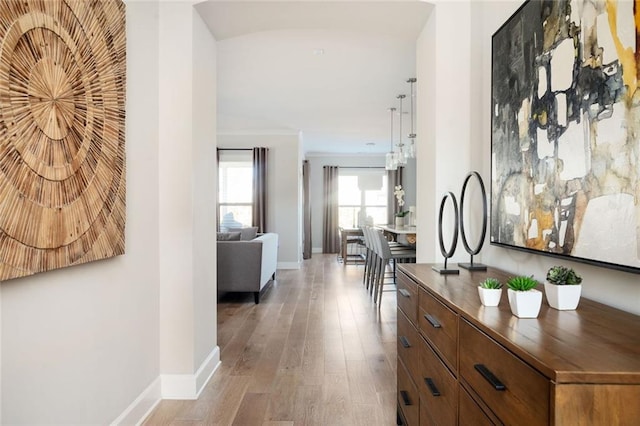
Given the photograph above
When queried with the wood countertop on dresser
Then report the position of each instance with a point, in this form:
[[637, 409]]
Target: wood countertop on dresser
[[594, 344]]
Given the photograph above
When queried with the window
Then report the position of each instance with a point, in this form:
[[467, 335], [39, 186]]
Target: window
[[362, 197], [235, 189]]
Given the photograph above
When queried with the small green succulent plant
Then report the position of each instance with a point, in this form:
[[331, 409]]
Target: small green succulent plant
[[491, 283], [561, 275], [522, 283]]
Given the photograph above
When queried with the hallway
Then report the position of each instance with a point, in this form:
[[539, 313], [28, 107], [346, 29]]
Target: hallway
[[315, 351]]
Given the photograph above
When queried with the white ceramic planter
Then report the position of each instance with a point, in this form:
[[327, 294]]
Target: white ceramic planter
[[525, 304], [399, 222], [490, 296], [563, 297]]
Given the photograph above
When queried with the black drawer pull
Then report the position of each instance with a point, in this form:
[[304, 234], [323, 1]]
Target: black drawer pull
[[432, 386], [405, 398], [434, 322], [405, 342], [488, 375], [404, 292]]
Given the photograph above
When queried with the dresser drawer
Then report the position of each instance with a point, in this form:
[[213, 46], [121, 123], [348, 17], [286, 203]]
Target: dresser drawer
[[408, 400], [409, 342], [439, 325], [438, 389], [516, 393], [407, 297], [425, 416], [470, 413]]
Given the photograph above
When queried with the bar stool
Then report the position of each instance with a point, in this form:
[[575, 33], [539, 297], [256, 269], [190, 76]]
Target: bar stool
[[372, 259], [386, 255], [368, 258]]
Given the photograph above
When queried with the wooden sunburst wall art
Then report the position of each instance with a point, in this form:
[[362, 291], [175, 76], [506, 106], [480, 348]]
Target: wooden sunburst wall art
[[62, 136]]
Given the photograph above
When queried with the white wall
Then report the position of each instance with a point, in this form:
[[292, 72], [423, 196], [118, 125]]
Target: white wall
[[443, 120], [82, 345], [454, 137], [283, 211], [615, 288], [0, 353], [205, 178], [426, 217], [175, 180], [187, 165], [79, 344]]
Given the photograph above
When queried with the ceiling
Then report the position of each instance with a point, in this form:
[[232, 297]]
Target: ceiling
[[330, 70]]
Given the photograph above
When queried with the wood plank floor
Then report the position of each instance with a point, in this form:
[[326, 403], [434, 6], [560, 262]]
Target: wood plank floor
[[315, 351]]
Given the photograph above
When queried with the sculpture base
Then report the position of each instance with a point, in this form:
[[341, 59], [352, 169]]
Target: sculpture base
[[473, 266], [443, 270]]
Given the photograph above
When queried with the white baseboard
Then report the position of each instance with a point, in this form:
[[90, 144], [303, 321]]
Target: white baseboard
[[316, 250], [206, 370], [141, 407], [169, 386], [288, 265], [190, 386]]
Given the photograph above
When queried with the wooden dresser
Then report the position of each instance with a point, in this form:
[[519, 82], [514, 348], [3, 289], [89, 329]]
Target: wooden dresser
[[462, 363]]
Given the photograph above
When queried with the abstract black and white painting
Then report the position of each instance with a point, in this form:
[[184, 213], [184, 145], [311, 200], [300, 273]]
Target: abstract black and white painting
[[566, 131]]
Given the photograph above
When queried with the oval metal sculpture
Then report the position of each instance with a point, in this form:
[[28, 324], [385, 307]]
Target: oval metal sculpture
[[473, 251], [447, 253], [62, 135]]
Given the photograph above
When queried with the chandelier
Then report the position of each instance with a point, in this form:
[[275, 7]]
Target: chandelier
[[391, 162], [401, 151]]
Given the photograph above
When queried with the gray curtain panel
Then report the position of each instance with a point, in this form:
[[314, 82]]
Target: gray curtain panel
[[330, 235], [306, 249], [394, 178], [260, 188], [217, 190]]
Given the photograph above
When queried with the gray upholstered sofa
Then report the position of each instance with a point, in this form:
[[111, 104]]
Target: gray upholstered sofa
[[247, 266]]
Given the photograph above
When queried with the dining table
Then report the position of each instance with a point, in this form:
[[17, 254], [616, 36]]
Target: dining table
[[350, 235]]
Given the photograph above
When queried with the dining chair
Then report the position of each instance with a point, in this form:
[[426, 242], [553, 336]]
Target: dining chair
[[348, 241]]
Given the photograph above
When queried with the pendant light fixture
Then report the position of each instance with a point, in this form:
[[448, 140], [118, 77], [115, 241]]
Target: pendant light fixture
[[411, 148], [391, 158], [400, 152]]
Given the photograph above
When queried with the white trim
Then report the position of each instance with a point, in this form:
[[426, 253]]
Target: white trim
[[170, 386], [190, 386], [289, 265], [141, 407], [316, 250], [258, 132], [206, 370], [312, 154], [178, 386]]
